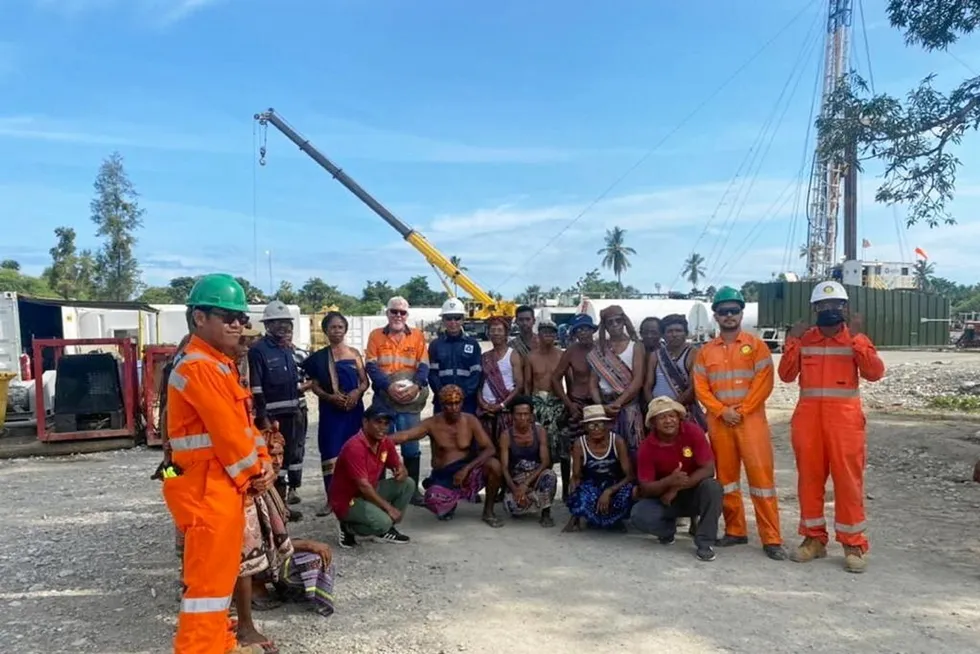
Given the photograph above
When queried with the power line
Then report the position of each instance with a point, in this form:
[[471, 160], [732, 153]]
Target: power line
[[867, 45], [663, 140]]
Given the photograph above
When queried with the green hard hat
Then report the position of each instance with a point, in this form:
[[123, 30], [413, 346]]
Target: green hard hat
[[727, 294], [220, 291]]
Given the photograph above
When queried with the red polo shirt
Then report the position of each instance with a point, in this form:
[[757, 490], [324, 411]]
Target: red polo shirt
[[358, 461], [656, 460]]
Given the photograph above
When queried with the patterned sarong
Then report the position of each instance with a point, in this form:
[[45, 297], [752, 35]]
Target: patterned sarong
[[572, 429], [582, 504], [679, 382], [629, 422], [494, 423], [541, 494], [306, 578], [549, 412], [442, 496]]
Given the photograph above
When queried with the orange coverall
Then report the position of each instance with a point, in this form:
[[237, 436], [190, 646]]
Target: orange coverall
[[214, 441], [740, 375], [828, 428]]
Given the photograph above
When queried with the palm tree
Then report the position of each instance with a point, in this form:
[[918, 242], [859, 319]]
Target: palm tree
[[694, 268], [458, 263], [615, 255], [923, 272], [531, 295]]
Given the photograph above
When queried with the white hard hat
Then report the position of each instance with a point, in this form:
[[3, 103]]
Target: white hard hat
[[828, 291], [276, 310], [453, 307]]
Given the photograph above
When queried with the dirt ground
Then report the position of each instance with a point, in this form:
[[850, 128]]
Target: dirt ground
[[87, 565]]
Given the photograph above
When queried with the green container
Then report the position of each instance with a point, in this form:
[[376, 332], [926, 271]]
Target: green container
[[891, 318]]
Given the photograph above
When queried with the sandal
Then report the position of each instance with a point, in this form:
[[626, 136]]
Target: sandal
[[493, 521]]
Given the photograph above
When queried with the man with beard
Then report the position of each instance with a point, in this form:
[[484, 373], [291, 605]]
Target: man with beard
[[457, 473], [571, 383], [549, 410], [503, 378], [733, 378], [273, 376]]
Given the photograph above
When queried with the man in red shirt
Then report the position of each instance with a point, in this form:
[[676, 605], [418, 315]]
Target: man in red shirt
[[676, 478], [365, 504]]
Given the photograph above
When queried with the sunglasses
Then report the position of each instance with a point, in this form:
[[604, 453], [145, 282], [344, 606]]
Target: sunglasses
[[594, 426], [398, 312], [452, 318], [229, 317], [615, 320], [732, 311]]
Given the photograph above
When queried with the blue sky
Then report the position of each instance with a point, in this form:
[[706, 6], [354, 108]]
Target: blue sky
[[488, 127]]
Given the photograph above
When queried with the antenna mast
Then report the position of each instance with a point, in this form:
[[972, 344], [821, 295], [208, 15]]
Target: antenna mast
[[828, 170]]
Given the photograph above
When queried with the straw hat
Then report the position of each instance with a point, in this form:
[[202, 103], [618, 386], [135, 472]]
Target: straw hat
[[663, 404], [594, 413]]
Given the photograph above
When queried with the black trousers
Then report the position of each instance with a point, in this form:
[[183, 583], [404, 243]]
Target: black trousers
[[293, 429], [651, 516]]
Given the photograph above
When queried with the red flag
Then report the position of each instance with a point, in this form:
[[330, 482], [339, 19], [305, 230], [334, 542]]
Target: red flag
[[922, 253], [865, 243]]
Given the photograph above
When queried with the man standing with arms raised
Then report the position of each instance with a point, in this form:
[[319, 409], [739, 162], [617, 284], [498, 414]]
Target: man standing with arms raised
[[216, 457], [397, 363], [733, 378], [828, 426]]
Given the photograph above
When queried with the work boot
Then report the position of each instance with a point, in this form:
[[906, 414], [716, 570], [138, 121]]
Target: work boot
[[809, 549], [292, 497], [775, 552], [854, 560], [728, 540], [413, 466]]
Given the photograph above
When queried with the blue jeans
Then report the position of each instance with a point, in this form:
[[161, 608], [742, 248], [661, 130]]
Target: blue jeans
[[403, 421]]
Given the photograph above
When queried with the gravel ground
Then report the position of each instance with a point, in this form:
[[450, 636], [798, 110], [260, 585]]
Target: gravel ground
[[88, 563]]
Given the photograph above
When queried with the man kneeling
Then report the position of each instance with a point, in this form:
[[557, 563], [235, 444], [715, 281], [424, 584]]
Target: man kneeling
[[457, 473], [675, 470], [364, 505]]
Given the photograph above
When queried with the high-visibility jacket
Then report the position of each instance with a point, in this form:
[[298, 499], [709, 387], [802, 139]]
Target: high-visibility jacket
[[388, 354], [739, 374], [273, 377], [208, 416]]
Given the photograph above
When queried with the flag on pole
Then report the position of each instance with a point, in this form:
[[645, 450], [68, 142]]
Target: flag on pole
[[921, 253], [865, 243]]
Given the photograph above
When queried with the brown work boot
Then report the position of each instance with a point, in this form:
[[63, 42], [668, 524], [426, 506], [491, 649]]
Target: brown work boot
[[809, 549], [248, 649], [854, 560]]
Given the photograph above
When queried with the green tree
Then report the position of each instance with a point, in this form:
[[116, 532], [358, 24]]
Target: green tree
[[914, 138], [458, 263], [252, 292], [419, 294], [694, 269], [377, 294], [616, 254], [593, 285], [530, 296], [118, 216], [180, 288], [13, 281], [156, 295], [750, 291], [286, 294], [710, 291], [71, 273], [10, 264], [923, 272]]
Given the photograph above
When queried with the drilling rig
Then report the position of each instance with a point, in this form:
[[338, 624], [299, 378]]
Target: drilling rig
[[830, 169]]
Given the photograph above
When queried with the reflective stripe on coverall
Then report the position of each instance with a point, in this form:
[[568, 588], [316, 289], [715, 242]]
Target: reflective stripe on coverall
[[828, 428], [740, 375], [214, 441]]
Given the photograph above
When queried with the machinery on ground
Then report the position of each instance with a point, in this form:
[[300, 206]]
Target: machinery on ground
[[482, 305]]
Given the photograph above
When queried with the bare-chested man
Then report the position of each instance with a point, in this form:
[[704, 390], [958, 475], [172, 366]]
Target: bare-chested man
[[457, 474], [549, 410], [570, 382]]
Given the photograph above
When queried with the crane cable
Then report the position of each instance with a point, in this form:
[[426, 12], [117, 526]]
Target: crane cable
[[760, 154], [588, 207]]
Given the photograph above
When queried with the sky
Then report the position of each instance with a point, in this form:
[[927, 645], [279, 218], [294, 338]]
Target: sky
[[511, 134]]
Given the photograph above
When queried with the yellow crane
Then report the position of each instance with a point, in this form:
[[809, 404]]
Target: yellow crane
[[482, 305]]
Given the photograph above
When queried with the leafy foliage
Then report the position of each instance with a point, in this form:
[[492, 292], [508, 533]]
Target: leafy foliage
[[13, 280], [71, 273], [694, 269], [615, 254], [117, 215], [914, 138]]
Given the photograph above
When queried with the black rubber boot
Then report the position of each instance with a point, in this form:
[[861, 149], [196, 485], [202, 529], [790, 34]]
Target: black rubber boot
[[414, 466]]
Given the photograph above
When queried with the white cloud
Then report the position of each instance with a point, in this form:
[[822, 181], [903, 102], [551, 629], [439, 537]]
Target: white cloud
[[161, 12]]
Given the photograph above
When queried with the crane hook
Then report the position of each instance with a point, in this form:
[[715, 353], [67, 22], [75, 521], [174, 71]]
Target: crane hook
[[262, 156]]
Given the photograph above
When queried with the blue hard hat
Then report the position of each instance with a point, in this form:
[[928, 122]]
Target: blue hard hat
[[582, 320]]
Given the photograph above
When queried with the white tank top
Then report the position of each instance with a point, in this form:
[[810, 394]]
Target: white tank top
[[626, 356], [507, 372]]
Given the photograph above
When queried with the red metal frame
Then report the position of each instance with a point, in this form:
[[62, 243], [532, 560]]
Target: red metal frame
[[153, 356], [128, 350]]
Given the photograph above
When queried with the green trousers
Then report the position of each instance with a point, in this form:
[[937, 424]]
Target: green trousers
[[366, 519]]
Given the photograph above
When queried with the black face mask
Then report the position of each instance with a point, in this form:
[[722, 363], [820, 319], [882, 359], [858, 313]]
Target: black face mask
[[830, 317]]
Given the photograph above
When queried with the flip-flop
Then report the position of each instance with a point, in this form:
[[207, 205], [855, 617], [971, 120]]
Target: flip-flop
[[493, 521]]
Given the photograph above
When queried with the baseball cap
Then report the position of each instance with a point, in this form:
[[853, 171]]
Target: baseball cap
[[377, 412]]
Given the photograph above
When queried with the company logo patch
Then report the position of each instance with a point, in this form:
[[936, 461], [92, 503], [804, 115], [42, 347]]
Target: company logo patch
[[384, 457], [746, 349], [687, 452], [828, 289], [468, 349]]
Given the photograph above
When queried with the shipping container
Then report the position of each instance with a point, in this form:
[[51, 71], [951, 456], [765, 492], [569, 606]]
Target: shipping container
[[892, 318]]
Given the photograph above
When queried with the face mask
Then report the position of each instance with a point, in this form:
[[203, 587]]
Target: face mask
[[830, 317]]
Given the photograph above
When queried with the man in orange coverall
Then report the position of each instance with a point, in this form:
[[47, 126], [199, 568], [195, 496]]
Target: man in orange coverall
[[217, 456], [733, 378], [828, 425]]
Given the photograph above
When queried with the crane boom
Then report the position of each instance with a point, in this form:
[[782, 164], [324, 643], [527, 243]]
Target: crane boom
[[483, 305]]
